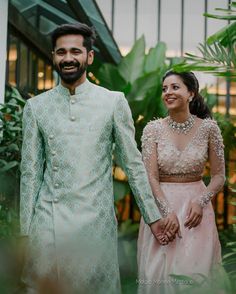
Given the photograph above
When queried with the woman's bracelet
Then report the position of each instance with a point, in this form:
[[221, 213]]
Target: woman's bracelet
[[205, 199], [164, 207]]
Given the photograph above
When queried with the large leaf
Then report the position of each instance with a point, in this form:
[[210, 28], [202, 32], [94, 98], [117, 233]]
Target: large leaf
[[121, 189], [131, 66], [222, 17], [110, 78], [142, 85], [8, 166], [155, 58], [225, 36]]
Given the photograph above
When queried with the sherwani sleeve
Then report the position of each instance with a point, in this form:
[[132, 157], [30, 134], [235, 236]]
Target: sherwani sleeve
[[32, 166], [131, 160]]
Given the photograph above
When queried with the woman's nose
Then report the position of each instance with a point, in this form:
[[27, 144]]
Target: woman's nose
[[168, 91]]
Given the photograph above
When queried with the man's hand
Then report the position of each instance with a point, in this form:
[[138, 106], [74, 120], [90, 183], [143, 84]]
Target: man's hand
[[157, 229], [194, 215]]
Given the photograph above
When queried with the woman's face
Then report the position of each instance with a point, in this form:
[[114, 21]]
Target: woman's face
[[175, 94]]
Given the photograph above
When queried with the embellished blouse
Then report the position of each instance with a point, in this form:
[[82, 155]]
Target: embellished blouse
[[168, 154]]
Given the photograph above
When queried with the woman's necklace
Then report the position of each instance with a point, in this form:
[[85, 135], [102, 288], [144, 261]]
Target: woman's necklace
[[181, 128]]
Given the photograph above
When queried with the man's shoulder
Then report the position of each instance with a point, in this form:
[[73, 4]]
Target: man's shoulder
[[42, 97], [106, 92]]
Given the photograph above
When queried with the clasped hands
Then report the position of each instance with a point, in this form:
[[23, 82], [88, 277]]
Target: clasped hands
[[166, 229]]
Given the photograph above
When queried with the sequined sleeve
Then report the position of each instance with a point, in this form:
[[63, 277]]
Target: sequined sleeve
[[127, 151], [150, 156], [32, 164], [217, 163]]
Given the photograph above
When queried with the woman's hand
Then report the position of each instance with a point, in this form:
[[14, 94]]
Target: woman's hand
[[194, 215], [172, 225]]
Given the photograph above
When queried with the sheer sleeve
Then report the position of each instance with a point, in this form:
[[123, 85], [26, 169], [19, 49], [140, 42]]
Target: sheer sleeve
[[149, 154], [217, 164]]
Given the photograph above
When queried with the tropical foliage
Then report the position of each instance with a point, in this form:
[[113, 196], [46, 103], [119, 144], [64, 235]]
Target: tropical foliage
[[218, 52], [139, 77]]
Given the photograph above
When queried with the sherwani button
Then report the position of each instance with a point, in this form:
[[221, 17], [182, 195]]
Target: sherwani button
[[55, 200], [51, 137], [55, 168], [72, 101], [56, 185], [53, 152], [72, 118]]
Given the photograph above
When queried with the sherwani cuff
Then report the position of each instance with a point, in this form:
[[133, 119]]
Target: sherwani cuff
[[150, 213]]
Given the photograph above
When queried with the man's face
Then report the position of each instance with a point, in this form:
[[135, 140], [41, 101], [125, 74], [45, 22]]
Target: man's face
[[71, 58]]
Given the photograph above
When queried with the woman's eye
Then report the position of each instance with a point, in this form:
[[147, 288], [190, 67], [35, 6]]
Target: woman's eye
[[163, 90], [175, 87]]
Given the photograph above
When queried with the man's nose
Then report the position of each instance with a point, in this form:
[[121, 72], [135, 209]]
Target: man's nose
[[68, 57]]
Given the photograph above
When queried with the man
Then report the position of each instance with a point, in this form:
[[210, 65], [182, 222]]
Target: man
[[67, 210]]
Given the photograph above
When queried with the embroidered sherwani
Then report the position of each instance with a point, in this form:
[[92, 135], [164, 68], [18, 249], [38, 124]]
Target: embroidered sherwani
[[67, 205]]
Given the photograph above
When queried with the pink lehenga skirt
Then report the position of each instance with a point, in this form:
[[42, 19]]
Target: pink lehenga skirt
[[197, 252]]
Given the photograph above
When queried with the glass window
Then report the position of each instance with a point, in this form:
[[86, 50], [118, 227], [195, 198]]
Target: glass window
[[48, 77], [213, 25], [124, 24], [193, 25], [171, 26], [23, 70], [105, 7], [147, 21], [32, 72], [41, 75], [12, 57]]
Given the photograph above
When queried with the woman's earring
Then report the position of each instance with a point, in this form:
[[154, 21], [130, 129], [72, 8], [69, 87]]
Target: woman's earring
[[190, 99]]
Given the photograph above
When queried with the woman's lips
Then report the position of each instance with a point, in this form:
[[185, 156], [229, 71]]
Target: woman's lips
[[170, 100]]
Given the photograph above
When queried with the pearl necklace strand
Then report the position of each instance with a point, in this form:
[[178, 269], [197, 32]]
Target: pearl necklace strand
[[181, 128]]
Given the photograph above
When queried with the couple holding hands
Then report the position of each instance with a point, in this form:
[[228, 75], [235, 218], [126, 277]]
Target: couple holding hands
[[67, 210]]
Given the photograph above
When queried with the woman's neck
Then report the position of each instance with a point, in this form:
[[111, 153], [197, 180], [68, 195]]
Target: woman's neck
[[179, 117]]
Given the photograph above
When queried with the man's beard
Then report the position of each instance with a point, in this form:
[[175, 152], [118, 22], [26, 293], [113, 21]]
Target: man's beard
[[71, 77]]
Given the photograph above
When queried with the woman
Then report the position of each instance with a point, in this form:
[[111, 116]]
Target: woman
[[175, 151]]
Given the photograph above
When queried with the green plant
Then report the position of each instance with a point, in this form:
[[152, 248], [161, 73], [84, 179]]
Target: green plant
[[218, 52], [11, 140], [11, 117], [139, 76]]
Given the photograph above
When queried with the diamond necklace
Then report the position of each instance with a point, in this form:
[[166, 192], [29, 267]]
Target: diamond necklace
[[181, 128]]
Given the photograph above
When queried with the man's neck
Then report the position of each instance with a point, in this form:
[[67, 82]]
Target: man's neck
[[72, 87]]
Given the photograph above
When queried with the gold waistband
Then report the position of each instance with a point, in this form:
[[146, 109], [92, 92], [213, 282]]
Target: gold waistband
[[176, 179]]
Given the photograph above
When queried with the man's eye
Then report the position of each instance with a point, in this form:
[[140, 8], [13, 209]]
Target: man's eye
[[60, 52], [76, 52]]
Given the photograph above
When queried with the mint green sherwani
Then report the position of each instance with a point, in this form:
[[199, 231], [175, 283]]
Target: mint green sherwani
[[67, 205]]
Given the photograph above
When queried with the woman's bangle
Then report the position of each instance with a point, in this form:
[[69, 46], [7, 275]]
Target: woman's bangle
[[205, 199], [164, 207]]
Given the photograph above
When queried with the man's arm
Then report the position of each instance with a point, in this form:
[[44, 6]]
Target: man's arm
[[32, 165], [126, 148]]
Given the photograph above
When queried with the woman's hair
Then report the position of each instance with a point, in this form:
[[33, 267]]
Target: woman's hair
[[197, 106]]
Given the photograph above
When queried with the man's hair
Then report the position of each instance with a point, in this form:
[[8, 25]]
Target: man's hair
[[75, 29]]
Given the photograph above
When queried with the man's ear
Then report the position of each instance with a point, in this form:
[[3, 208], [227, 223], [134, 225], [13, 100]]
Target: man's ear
[[90, 57]]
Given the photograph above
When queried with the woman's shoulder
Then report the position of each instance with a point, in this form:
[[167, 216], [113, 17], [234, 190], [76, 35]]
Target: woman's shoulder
[[153, 124], [152, 129], [210, 124]]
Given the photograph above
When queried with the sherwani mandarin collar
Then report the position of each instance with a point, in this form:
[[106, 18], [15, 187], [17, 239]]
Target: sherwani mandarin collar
[[81, 89]]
